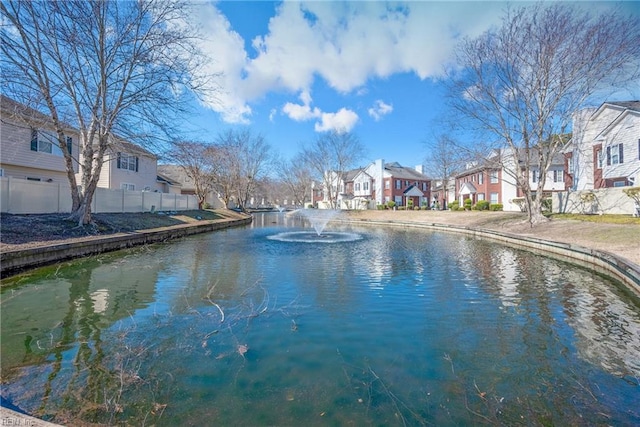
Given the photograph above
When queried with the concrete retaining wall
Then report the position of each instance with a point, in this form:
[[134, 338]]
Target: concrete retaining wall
[[601, 262], [12, 262]]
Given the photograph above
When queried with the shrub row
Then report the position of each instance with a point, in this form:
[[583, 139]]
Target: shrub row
[[481, 205]]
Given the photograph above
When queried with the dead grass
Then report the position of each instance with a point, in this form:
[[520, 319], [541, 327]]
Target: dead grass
[[23, 231], [602, 219]]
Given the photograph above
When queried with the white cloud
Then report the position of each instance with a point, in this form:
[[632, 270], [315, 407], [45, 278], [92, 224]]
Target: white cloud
[[345, 43], [225, 48], [301, 113], [380, 109], [342, 121]]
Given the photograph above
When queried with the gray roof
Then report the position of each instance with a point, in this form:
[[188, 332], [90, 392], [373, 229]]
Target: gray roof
[[398, 171], [16, 109], [631, 105]]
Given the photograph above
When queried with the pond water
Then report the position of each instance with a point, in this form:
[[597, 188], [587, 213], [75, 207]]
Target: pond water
[[388, 327]]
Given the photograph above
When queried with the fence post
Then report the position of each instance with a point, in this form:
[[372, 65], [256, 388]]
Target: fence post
[[9, 196]]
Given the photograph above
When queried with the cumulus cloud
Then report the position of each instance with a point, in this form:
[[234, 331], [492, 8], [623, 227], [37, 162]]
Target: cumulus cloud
[[342, 121], [301, 113], [347, 44], [225, 48], [380, 109]]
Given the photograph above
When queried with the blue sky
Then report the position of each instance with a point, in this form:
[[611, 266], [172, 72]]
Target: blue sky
[[293, 70]]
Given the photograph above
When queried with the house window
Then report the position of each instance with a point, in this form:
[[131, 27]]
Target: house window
[[357, 186], [570, 163], [493, 177], [40, 143], [386, 184], [69, 141], [600, 158], [1, 172], [535, 175], [398, 184], [494, 198], [365, 186], [46, 142], [615, 154], [481, 196], [619, 183], [481, 178], [128, 187], [558, 176], [127, 161]]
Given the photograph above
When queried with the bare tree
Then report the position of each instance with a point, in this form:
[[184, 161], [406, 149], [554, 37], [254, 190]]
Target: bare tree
[[521, 82], [329, 157], [106, 67], [296, 177], [197, 160], [243, 160], [444, 159]]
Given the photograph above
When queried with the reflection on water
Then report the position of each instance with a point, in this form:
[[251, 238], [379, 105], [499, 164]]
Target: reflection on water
[[401, 327]]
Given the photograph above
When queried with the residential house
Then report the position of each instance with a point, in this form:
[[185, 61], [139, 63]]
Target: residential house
[[494, 179], [380, 182], [129, 167], [604, 150], [403, 184], [183, 184], [30, 150], [442, 194], [29, 144], [485, 180], [355, 191]]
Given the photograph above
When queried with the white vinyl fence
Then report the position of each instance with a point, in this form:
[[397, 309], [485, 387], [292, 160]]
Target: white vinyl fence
[[601, 201], [20, 196]]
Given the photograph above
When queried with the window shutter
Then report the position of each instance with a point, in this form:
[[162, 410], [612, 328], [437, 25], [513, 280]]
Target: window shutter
[[34, 139], [621, 149], [136, 163], [608, 156], [70, 145], [118, 160]]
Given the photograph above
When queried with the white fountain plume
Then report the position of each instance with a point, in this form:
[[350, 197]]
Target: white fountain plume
[[318, 217]]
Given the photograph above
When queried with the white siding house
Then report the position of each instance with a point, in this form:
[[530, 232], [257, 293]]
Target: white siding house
[[29, 146], [605, 148], [128, 167]]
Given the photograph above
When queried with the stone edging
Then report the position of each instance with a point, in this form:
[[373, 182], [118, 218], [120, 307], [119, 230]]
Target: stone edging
[[12, 262], [601, 262]]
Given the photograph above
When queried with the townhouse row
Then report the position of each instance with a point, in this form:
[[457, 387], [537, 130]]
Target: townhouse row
[[603, 151], [29, 150]]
